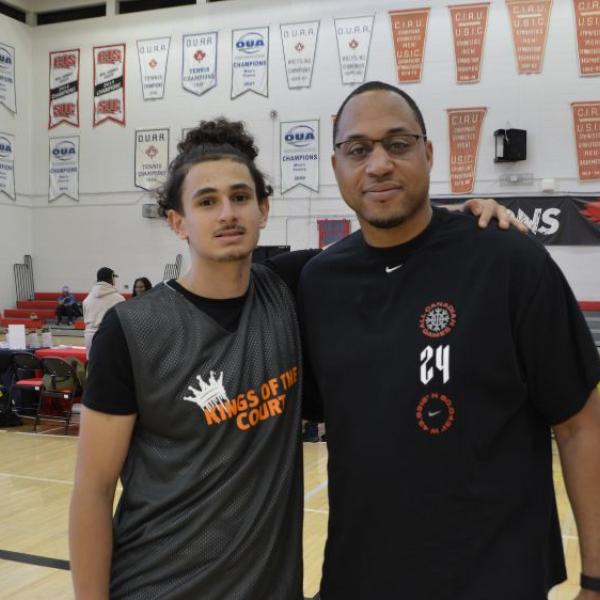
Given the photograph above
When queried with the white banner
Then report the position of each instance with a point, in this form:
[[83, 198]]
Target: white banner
[[300, 155], [64, 88], [7, 77], [151, 157], [250, 61], [153, 55], [7, 165], [299, 46], [109, 84], [354, 40], [64, 168], [199, 68]]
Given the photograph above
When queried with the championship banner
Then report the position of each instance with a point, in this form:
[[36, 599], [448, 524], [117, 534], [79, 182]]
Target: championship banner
[[299, 155], [153, 56], [7, 77], [587, 18], [332, 230], [299, 46], [554, 220], [586, 116], [151, 157], [464, 127], [409, 30], [353, 40], [469, 25], [199, 66], [529, 20], [7, 165], [64, 168], [250, 62], [64, 88], [109, 84]]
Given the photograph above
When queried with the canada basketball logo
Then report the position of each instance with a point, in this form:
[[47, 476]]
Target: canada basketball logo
[[438, 319], [435, 413]]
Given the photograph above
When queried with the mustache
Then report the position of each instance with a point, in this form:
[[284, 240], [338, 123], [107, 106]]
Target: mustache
[[230, 229]]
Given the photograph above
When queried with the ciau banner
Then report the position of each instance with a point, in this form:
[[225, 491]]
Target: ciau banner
[[64, 168], [151, 157], [354, 41], [464, 128], [299, 142], [409, 31], [586, 117], [554, 220], [529, 20], [64, 88], [299, 46], [469, 25], [199, 62], [7, 165], [587, 19], [8, 95], [109, 84], [250, 61], [153, 56]]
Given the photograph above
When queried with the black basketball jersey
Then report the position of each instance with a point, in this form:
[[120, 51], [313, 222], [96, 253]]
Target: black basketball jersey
[[212, 491]]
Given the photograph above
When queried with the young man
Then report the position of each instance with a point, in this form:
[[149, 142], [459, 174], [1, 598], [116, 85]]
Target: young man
[[460, 349], [193, 398], [66, 306]]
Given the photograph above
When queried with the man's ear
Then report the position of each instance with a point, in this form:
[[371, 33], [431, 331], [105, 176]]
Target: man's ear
[[177, 224], [264, 208]]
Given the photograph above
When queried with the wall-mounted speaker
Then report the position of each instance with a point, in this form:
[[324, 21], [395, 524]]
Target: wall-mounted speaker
[[511, 145]]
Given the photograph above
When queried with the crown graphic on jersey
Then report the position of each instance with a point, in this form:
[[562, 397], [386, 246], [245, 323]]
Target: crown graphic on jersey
[[210, 394]]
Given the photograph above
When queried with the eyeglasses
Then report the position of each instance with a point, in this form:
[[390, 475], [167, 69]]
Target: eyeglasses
[[396, 145]]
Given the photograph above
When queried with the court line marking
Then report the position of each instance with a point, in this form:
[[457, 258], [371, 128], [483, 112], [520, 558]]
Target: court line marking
[[31, 478], [34, 559]]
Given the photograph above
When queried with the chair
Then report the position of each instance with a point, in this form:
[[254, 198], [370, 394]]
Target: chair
[[60, 391], [27, 370]]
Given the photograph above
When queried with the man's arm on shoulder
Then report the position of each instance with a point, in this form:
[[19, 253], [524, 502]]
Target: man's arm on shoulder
[[578, 440], [103, 445], [487, 209]]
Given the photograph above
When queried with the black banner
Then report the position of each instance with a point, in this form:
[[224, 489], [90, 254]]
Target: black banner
[[553, 220]]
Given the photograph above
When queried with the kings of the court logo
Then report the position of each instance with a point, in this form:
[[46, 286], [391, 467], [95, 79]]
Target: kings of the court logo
[[438, 319], [210, 394], [435, 413]]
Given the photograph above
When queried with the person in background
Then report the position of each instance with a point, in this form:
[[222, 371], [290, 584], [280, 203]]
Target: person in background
[[67, 306], [141, 285], [102, 296]]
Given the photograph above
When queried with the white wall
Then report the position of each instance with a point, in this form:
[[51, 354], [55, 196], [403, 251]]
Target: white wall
[[106, 227], [15, 215]]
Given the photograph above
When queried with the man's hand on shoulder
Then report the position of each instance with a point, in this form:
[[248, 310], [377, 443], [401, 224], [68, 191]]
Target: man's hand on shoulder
[[587, 595], [487, 209]]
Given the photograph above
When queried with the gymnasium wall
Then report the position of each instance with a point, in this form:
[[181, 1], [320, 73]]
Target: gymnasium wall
[[16, 215], [71, 239]]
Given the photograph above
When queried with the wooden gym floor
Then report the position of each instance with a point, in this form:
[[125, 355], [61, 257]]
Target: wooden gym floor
[[36, 479]]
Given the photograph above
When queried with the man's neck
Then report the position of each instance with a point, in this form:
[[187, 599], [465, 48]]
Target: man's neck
[[380, 237], [218, 280]]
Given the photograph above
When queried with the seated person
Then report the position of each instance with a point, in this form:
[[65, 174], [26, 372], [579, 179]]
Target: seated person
[[67, 306]]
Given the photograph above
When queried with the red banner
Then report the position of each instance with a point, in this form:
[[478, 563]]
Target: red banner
[[587, 18], [469, 24], [332, 230], [409, 30], [109, 84], [586, 117], [64, 88], [464, 126], [529, 20]]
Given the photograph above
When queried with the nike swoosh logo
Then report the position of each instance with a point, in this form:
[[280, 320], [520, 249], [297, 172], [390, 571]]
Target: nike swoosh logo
[[392, 269], [433, 414]]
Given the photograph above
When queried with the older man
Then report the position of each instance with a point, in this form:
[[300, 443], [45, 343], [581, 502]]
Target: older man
[[460, 349]]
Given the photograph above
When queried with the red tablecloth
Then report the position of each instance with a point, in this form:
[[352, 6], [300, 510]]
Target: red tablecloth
[[65, 352]]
